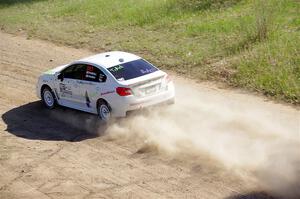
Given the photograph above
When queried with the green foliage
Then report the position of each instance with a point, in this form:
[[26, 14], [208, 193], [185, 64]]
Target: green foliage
[[248, 43], [198, 5]]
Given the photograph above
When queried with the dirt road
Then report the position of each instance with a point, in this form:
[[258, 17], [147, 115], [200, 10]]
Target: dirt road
[[213, 143]]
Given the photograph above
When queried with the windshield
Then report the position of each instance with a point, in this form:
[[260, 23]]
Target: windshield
[[132, 69]]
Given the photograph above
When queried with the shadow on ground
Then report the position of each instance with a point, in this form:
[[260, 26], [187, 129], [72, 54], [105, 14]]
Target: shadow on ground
[[33, 121], [253, 195], [12, 2]]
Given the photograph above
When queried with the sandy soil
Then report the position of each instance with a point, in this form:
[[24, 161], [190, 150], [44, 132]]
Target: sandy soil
[[213, 143]]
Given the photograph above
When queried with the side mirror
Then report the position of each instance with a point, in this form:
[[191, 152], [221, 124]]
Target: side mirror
[[60, 77]]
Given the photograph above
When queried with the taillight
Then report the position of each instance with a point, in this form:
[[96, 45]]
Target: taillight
[[122, 91]]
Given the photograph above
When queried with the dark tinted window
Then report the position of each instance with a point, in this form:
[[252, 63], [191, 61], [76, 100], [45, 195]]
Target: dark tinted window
[[76, 71], [84, 72], [94, 74], [132, 69]]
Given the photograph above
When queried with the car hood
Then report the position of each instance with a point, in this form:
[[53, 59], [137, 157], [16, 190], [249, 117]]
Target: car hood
[[55, 70]]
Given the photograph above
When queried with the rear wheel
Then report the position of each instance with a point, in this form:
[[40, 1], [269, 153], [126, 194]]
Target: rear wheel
[[48, 98], [104, 111]]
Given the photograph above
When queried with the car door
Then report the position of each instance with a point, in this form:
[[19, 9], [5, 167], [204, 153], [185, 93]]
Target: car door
[[91, 86], [68, 88]]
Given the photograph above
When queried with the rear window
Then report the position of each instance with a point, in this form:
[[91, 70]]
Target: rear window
[[132, 69]]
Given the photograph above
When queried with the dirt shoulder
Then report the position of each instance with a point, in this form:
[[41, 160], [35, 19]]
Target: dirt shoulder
[[47, 154]]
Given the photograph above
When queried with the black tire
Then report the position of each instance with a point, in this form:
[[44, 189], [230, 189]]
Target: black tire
[[48, 98], [104, 111]]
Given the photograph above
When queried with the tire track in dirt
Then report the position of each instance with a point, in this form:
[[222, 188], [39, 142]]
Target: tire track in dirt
[[52, 155], [143, 178]]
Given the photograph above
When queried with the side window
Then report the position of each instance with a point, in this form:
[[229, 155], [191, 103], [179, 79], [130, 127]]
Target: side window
[[79, 71], [102, 77], [76, 71], [94, 74], [68, 72]]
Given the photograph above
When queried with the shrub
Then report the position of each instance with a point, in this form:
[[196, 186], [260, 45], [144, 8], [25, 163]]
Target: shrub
[[196, 5]]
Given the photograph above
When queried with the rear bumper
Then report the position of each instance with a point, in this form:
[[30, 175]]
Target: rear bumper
[[158, 105], [150, 101], [132, 103]]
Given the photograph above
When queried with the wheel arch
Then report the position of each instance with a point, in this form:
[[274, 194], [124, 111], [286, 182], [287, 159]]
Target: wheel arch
[[104, 101], [47, 86]]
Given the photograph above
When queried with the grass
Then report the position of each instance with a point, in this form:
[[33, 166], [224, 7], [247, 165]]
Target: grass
[[252, 44]]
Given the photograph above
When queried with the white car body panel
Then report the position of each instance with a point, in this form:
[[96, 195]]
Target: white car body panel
[[112, 60], [149, 89]]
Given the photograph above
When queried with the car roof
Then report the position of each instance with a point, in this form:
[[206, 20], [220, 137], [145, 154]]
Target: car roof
[[109, 59]]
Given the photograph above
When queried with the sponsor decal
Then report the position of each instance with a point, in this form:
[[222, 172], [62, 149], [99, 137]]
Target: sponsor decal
[[64, 89], [90, 76], [87, 99], [146, 71], [90, 73], [107, 92], [116, 68], [90, 68], [85, 82]]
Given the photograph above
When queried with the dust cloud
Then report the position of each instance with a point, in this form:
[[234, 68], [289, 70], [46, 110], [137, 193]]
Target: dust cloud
[[245, 134]]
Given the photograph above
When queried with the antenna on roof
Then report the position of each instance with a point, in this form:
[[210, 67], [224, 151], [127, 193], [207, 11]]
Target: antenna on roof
[[106, 55], [121, 60]]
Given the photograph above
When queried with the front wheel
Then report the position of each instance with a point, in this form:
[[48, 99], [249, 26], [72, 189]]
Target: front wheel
[[48, 98], [104, 111]]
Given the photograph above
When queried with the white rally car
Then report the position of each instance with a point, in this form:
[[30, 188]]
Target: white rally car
[[108, 84]]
